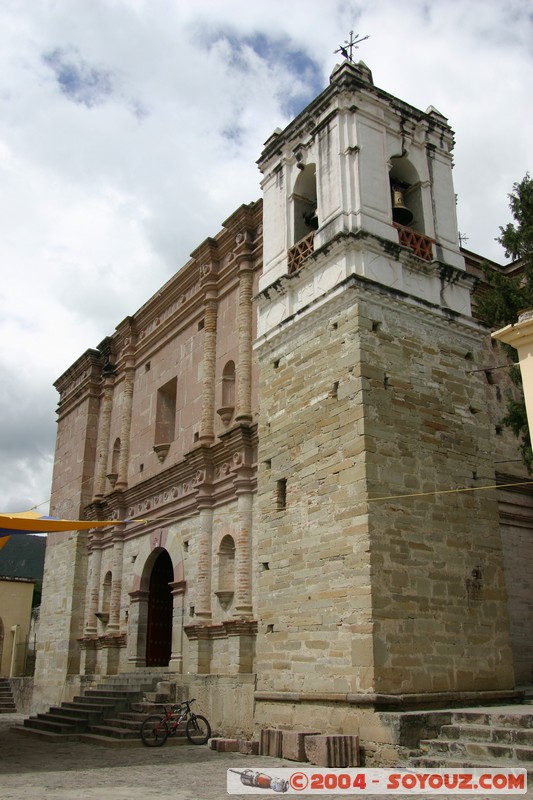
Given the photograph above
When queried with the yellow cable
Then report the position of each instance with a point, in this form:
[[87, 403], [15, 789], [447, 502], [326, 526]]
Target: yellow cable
[[449, 491]]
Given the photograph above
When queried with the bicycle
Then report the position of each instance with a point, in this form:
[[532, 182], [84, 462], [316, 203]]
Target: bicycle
[[156, 729]]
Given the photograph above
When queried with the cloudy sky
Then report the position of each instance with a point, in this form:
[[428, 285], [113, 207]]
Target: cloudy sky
[[129, 130]]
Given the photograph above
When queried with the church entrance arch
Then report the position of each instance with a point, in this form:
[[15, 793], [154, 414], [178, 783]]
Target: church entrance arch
[[159, 623]]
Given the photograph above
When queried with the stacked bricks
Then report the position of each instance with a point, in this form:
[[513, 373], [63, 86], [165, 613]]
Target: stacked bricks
[[322, 750], [293, 744], [332, 751], [222, 745], [271, 742], [247, 747]]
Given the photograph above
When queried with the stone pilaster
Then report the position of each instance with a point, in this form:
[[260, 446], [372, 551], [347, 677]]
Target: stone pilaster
[[138, 628], [125, 428], [116, 586], [241, 636], [200, 647], [108, 649], [95, 564], [243, 253], [244, 485], [178, 597], [102, 447], [127, 405], [203, 576], [209, 282], [88, 655]]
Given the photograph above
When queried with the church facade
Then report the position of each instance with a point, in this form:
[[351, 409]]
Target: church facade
[[294, 439]]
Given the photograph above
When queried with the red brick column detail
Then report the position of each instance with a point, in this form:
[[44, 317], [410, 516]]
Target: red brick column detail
[[245, 316]]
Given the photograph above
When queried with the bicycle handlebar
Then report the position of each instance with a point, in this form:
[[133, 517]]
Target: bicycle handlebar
[[178, 706]]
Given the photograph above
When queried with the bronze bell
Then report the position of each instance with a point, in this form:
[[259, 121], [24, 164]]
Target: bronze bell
[[400, 213], [311, 219]]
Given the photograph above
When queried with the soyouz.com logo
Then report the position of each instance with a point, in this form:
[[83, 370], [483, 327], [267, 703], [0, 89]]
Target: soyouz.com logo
[[352, 782]]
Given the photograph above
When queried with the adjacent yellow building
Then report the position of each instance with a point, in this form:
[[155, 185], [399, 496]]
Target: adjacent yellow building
[[16, 596]]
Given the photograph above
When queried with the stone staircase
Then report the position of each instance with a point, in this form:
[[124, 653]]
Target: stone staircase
[[7, 704], [482, 737], [111, 713]]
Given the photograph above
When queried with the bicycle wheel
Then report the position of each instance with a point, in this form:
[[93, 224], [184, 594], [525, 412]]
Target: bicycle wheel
[[197, 729], [154, 731]]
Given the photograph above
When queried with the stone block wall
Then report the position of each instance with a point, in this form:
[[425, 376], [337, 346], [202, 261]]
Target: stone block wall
[[370, 397], [438, 588], [61, 623]]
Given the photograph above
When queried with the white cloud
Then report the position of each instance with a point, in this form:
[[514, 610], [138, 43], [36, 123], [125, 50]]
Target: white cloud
[[129, 131]]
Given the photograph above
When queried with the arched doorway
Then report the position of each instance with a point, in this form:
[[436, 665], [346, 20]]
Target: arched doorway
[[159, 633]]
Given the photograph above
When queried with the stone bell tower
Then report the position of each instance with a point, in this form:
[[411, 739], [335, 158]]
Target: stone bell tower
[[378, 587]]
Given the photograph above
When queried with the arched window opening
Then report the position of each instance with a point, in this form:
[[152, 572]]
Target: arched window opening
[[105, 606], [165, 415], [406, 196], [115, 460], [407, 208], [228, 384], [226, 571], [305, 218], [116, 456], [165, 418], [305, 203], [225, 412]]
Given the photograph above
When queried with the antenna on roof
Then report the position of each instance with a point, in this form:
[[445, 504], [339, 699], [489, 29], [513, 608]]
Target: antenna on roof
[[462, 239], [350, 45]]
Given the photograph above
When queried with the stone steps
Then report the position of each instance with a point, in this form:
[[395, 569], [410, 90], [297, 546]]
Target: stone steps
[[480, 738], [51, 725], [88, 702], [126, 722], [77, 711], [97, 712], [115, 729], [485, 733], [77, 723], [7, 703]]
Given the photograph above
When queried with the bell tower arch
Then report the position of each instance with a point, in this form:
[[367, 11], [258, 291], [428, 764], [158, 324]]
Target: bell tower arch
[[369, 183]]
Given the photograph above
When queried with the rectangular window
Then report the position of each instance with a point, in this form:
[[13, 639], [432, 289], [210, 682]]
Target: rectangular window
[[281, 494], [165, 415]]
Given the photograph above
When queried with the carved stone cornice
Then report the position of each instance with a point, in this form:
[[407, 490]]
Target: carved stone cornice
[[178, 588], [111, 640], [221, 630], [138, 596], [206, 252], [99, 642], [80, 381], [210, 631], [112, 507], [240, 627], [87, 642], [95, 539], [205, 475]]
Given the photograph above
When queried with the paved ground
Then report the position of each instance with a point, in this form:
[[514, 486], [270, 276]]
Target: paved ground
[[31, 769]]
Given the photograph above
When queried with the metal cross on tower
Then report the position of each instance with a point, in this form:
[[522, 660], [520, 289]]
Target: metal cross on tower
[[350, 45]]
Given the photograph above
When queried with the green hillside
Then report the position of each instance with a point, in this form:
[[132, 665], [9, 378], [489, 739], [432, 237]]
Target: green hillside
[[23, 557]]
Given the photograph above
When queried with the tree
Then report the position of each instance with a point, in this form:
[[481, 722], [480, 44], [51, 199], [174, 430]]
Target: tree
[[508, 295]]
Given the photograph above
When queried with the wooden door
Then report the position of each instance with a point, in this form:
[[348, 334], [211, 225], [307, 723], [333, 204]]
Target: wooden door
[[159, 638]]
